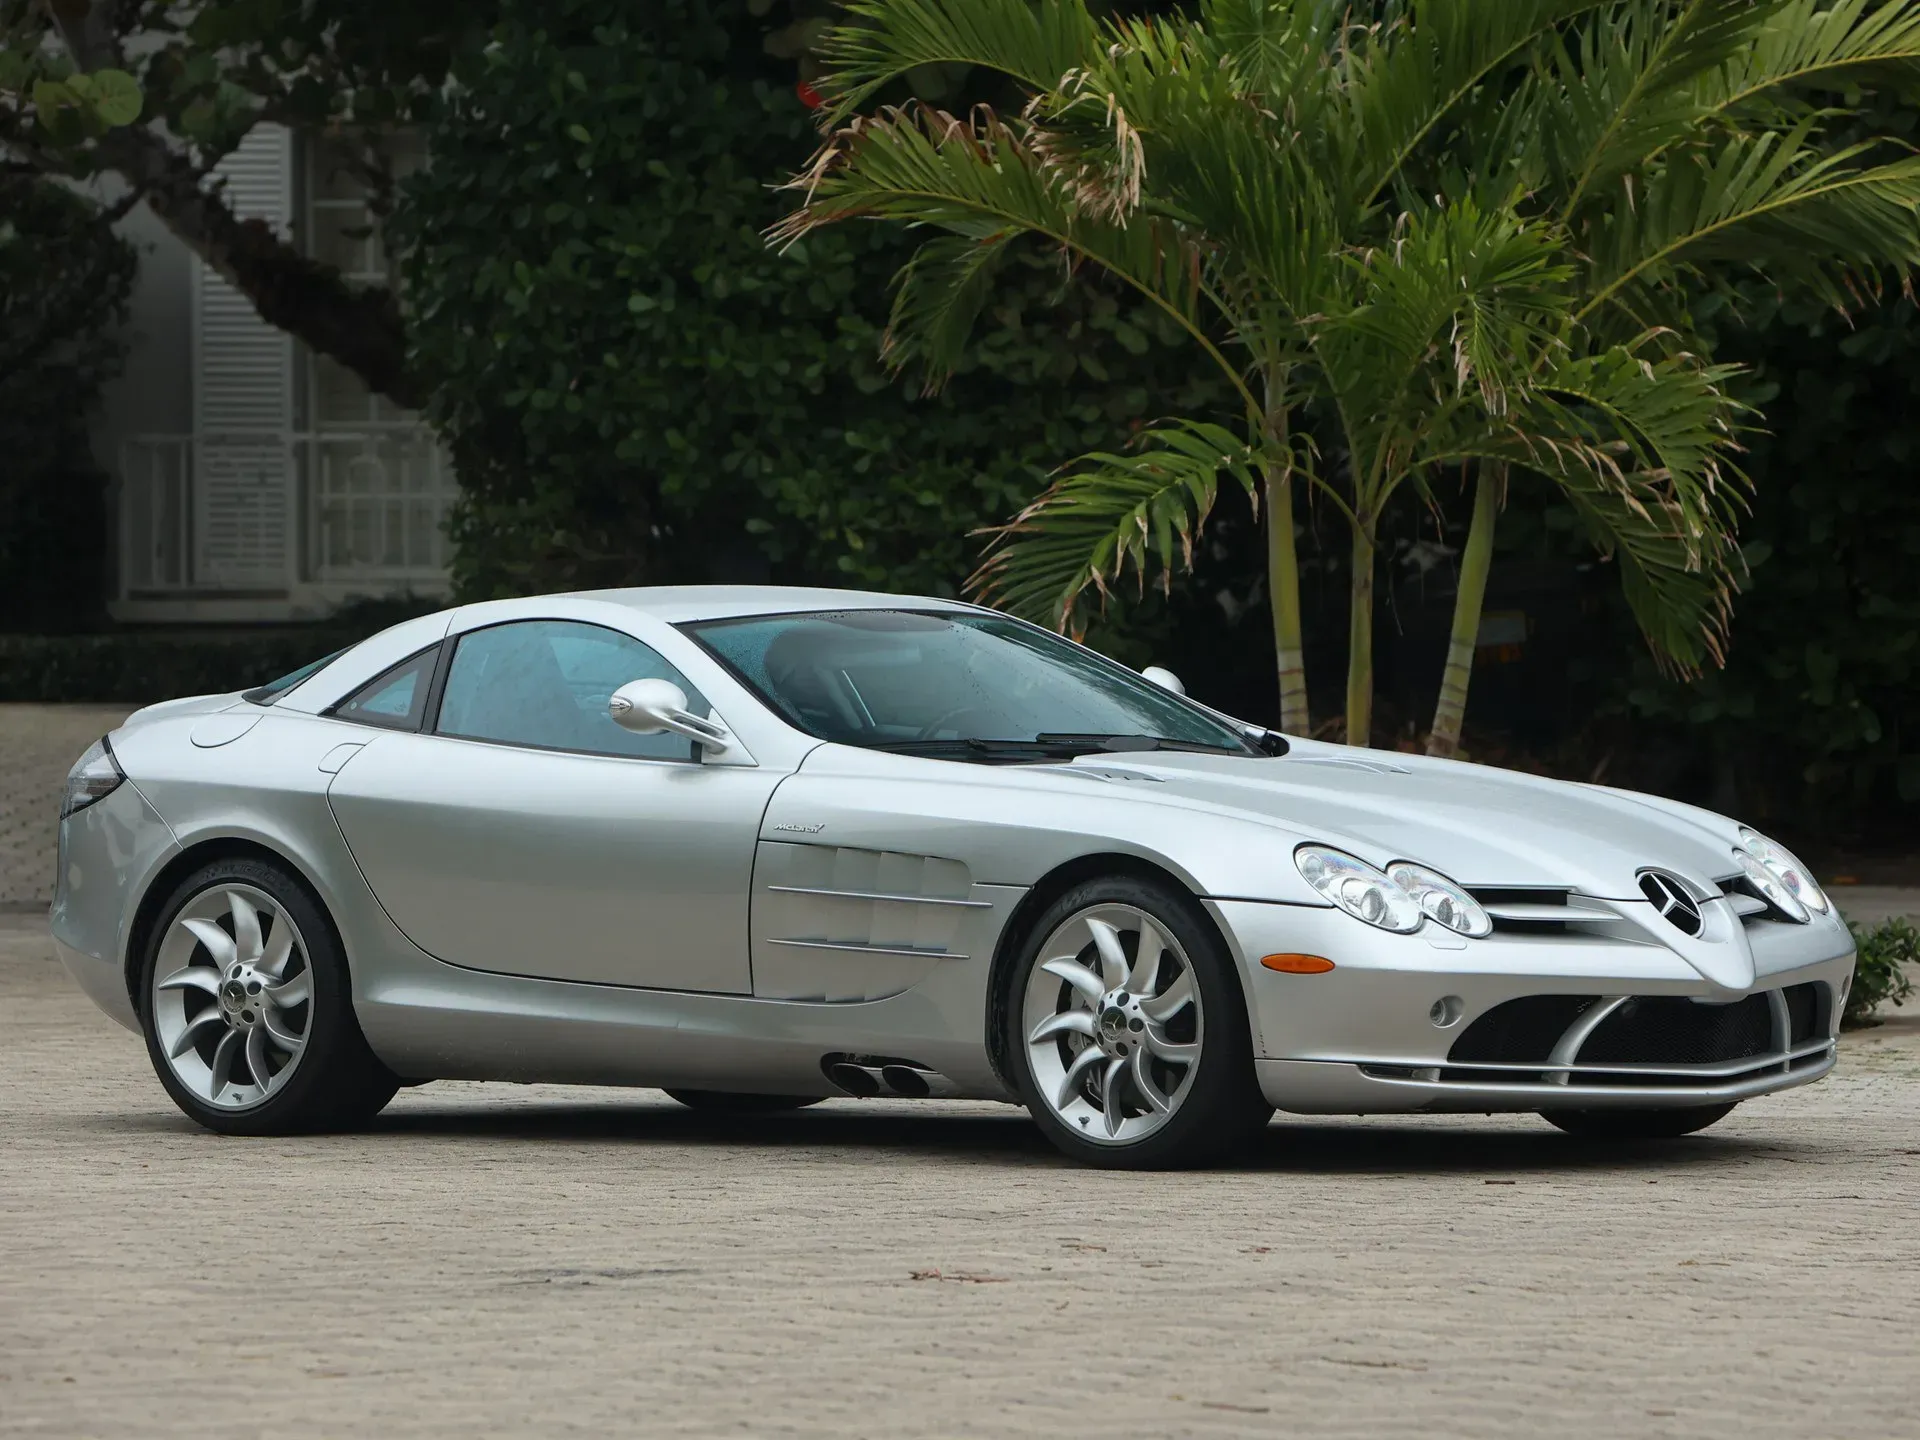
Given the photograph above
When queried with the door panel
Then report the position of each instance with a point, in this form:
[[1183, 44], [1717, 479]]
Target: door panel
[[607, 869]]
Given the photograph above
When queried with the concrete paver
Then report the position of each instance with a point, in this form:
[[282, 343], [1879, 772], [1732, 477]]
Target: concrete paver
[[1871, 904], [560, 1261]]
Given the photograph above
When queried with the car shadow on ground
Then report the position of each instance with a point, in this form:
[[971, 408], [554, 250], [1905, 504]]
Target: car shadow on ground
[[1400, 1146]]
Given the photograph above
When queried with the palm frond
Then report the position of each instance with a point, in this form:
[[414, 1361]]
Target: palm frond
[[1632, 93], [978, 178], [938, 295], [1675, 420], [1779, 202], [1405, 76], [1822, 45], [1642, 450], [1107, 513], [1445, 326], [1266, 46], [1035, 42], [1680, 591]]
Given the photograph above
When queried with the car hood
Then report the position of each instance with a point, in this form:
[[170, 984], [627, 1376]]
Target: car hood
[[1481, 826]]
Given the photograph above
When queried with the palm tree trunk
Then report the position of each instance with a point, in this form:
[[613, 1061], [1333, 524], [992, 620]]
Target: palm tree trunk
[[1283, 594], [1360, 636], [1469, 601]]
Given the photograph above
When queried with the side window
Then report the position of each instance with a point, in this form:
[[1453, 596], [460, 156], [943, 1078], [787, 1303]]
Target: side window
[[396, 700], [546, 683]]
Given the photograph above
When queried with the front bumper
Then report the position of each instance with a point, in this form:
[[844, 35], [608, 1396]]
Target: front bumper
[[1377, 1033], [1333, 1087], [104, 850]]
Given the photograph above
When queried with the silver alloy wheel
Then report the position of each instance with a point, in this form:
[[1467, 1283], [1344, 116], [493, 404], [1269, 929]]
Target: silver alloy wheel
[[1113, 1024], [232, 996]]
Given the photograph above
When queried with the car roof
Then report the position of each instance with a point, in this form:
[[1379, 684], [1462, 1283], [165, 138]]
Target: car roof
[[679, 603]]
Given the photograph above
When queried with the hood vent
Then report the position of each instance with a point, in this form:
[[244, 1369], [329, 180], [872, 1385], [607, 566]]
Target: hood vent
[[1672, 899], [1340, 762]]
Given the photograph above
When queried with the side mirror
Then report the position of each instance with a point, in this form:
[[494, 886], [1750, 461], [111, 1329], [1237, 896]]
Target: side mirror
[[1164, 678], [651, 707]]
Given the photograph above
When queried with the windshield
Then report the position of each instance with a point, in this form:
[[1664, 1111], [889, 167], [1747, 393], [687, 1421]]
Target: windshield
[[962, 686], [271, 691]]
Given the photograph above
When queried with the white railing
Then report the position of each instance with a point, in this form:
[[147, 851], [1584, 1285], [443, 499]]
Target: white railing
[[269, 511]]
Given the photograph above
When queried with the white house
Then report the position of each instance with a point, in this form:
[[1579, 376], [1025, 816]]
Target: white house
[[252, 479]]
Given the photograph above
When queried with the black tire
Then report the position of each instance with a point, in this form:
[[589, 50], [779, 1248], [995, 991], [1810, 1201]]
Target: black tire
[[727, 1102], [1223, 1107], [338, 1084], [1637, 1124]]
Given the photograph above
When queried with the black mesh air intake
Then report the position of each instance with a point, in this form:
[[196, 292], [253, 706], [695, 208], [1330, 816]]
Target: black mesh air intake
[[1806, 1011], [1673, 1030], [1517, 1031]]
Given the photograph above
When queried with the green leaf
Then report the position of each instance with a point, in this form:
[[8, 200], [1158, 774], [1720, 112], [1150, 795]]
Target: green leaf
[[116, 98], [50, 96], [15, 69]]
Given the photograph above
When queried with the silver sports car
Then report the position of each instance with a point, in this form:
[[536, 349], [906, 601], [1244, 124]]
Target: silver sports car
[[761, 846]]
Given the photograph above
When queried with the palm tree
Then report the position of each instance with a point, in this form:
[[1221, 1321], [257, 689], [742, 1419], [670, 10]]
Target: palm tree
[[1245, 172], [1675, 142]]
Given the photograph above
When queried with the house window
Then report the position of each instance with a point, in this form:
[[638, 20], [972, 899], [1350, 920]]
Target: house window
[[344, 231], [377, 480]]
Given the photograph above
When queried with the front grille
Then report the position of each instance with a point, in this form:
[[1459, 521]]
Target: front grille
[[1751, 904], [1493, 897]]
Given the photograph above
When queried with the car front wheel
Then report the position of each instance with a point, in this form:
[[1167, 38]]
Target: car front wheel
[[1128, 1030], [248, 1009]]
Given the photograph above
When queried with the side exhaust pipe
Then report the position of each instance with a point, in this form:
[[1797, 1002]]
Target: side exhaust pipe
[[868, 1076]]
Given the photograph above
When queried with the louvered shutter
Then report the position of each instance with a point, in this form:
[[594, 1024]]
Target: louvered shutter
[[243, 394]]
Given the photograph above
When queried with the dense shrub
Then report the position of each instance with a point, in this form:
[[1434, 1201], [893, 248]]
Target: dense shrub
[[1879, 975], [64, 281], [636, 388], [135, 668]]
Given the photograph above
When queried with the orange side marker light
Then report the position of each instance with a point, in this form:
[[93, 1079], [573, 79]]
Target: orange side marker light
[[1291, 964]]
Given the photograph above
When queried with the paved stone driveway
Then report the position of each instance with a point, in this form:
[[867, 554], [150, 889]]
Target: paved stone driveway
[[500, 1260], [38, 745]]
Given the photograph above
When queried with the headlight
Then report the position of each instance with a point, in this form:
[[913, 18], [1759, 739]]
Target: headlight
[[1760, 856], [1359, 889], [1440, 899], [95, 775]]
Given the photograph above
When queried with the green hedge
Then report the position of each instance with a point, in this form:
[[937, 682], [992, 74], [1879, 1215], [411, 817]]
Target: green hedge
[[637, 389], [133, 668]]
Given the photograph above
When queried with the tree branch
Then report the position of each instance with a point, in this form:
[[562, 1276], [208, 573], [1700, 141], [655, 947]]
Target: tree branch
[[360, 328]]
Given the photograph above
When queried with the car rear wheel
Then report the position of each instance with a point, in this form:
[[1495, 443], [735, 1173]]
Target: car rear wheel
[[248, 1009], [727, 1102], [1127, 1030], [1637, 1124]]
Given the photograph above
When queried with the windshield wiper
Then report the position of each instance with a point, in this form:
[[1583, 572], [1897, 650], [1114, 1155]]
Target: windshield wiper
[[991, 751], [1121, 744], [1049, 745]]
